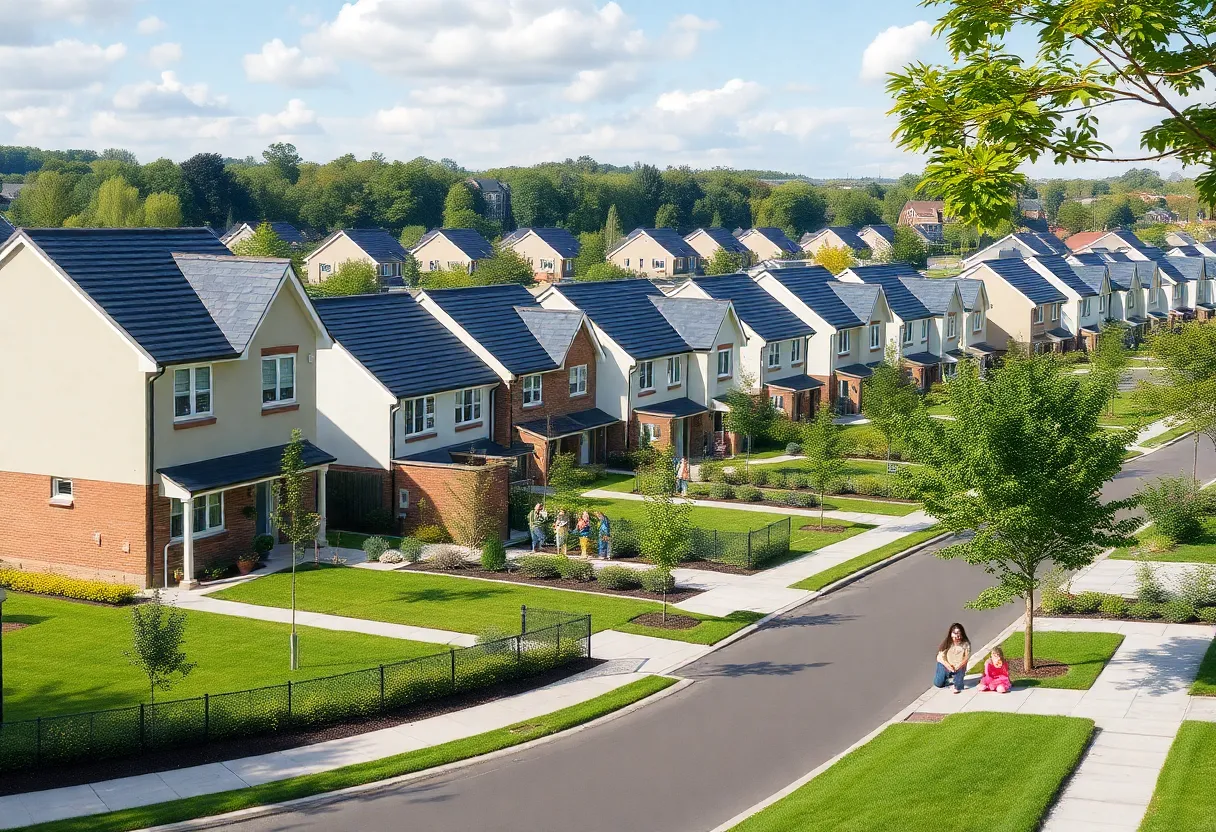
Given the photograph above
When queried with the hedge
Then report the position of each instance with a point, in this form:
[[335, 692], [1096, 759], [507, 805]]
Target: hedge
[[46, 583]]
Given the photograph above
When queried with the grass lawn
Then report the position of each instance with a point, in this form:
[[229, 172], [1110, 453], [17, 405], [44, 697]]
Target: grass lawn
[[1184, 800], [360, 773], [354, 540], [1128, 411], [463, 605], [1205, 681], [1169, 435], [1202, 550], [71, 657], [939, 778], [939, 410], [843, 570], [614, 482], [1085, 653]]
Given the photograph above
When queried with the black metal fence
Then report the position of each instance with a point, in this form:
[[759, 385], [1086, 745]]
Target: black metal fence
[[548, 640], [748, 550]]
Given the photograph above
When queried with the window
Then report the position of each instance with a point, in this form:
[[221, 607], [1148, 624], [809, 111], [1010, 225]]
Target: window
[[432, 265], [208, 516], [1131, 300], [724, 362], [678, 264], [626, 262], [774, 354], [842, 388], [796, 351], [658, 264], [546, 265], [390, 270], [1055, 311], [1086, 306], [1179, 292], [906, 333], [403, 499], [61, 491], [924, 329], [567, 266], [648, 431], [842, 342], [646, 375], [578, 380], [419, 415], [777, 401], [875, 336], [951, 325], [673, 371], [949, 370], [468, 402], [192, 392], [977, 321], [1038, 314], [532, 390], [278, 379]]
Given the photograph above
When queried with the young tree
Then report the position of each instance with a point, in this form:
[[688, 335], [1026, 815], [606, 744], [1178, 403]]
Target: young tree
[[263, 242], [118, 205], [1187, 389], [889, 399], [564, 481], [612, 228], [352, 277], [1022, 465], [724, 262], [47, 202], [1075, 217], [409, 270], [411, 234], [158, 630], [665, 539], [823, 450], [294, 520], [456, 278], [604, 271], [1109, 359], [835, 258], [506, 266], [590, 252], [668, 216], [794, 207], [162, 210], [907, 247], [750, 415], [473, 520]]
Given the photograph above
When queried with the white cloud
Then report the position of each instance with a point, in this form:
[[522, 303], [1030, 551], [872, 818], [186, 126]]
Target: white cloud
[[150, 25], [38, 123], [164, 54], [596, 84], [434, 110], [63, 65], [22, 18], [892, 48], [295, 120], [279, 63], [169, 96]]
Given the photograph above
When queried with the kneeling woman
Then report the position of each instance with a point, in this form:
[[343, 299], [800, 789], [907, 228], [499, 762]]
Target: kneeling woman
[[952, 656]]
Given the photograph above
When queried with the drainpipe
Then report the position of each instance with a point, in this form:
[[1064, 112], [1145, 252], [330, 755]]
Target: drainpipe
[[392, 451], [149, 512], [628, 403]]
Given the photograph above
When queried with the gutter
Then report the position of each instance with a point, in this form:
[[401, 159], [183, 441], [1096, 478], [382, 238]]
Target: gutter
[[392, 468], [149, 541]]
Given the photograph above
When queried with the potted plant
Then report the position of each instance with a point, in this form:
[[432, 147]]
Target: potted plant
[[248, 562], [178, 574]]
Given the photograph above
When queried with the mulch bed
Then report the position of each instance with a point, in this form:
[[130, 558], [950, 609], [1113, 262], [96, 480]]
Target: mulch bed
[[10, 626], [815, 527], [515, 577], [673, 622], [1043, 669], [924, 716], [50, 778]]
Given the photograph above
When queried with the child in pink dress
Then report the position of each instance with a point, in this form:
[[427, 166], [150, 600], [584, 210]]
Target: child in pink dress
[[996, 673]]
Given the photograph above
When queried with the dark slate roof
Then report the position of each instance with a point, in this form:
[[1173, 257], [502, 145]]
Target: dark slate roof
[[571, 423], [673, 409], [621, 308], [559, 239], [843, 305], [553, 329], [882, 230], [668, 238], [1042, 242], [797, 383], [488, 314], [1021, 275], [1122, 273], [1092, 276], [1058, 334], [236, 291], [235, 469], [723, 238], [286, 232], [816, 272], [378, 243], [1131, 239], [1067, 274], [969, 290], [903, 301], [1168, 266], [131, 273], [856, 370], [1090, 258], [777, 237], [6, 229], [472, 447], [1177, 251], [847, 235], [400, 343], [908, 289], [766, 315], [1190, 268], [923, 359], [695, 319]]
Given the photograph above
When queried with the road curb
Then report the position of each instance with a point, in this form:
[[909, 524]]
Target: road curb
[[882, 564]]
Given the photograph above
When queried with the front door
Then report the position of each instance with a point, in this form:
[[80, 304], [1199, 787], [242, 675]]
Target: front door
[[262, 506], [677, 437], [584, 448], [843, 405]]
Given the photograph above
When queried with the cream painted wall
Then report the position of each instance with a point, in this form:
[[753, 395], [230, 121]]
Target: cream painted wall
[[703, 244], [821, 345], [337, 252], [236, 389], [692, 382], [438, 253], [874, 240], [1009, 315], [74, 392], [352, 411], [761, 247], [533, 249], [728, 333], [612, 369], [645, 248], [445, 425]]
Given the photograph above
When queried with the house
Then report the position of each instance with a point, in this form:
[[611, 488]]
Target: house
[[667, 361], [367, 245], [1088, 298], [549, 251], [496, 197], [768, 243], [8, 193], [927, 217], [451, 248], [1020, 244], [709, 241], [407, 410], [878, 237], [834, 237], [774, 354], [1160, 215], [546, 361], [6, 229], [1025, 306], [1175, 283], [1082, 240], [285, 231], [927, 318], [849, 320], [1179, 238], [194, 367], [974, 339], [1129, 284], [1031, 209], [655, 252]]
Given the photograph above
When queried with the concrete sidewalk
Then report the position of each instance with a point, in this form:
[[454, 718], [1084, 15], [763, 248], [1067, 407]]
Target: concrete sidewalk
[[1118, 577]]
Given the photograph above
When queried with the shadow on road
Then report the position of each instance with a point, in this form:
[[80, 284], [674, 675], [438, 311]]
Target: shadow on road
[[760, 669], [808, 620]]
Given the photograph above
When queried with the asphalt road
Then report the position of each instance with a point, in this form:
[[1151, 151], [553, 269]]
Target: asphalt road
[[762, 713]]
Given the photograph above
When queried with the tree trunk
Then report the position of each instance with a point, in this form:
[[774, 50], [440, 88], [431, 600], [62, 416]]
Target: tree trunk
[[821, 494], [1196, 458], [1028, 646]]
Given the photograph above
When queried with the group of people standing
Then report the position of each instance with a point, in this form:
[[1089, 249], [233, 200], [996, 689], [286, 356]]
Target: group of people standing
[[954, 653], [585, 530]]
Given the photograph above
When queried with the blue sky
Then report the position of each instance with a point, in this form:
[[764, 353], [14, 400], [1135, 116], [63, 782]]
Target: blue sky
[[778, 84]]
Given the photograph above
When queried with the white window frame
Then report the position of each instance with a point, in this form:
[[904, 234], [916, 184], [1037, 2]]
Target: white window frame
[[413, 416], [674, 371], [403, 499], [977, 321], [1179, 292], [777, 400], [546, 265], [62, 492], [843, 347], [1038, 314], [578, 380], [1086, 307], [207, 505], [646, 375], [725, 355], [645, 429], [1055, 311], [279, 361], [951, 325], [1103, 303], [774, 355], [875, 336], [795, 352], [924, 329], [468, 405], [906, 334], [532, 390], [193, 391], [655, 263]]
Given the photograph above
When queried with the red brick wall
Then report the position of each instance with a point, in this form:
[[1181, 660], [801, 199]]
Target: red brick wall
[[555, 386], [446, 489], [503, 426], [37, 536]]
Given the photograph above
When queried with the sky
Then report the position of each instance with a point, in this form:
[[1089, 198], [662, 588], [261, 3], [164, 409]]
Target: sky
[[770, 84]]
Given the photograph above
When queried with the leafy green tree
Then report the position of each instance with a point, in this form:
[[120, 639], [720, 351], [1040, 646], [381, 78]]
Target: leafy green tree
[[835, 258], [1187, 386], [158, 631], [889, 399], [410, 272], [47, 202], [264, 242], [565, 484], [751, 414], [605, 271], [1109, 360], [612, 229], [725, 262], [283, 158], [460, 211], [211, 190], [411, 234], [794, 207], [668, 216], [1052, 196], [294, 519], [119, 154], [162, 210], [853, 207], [506, 266], [991, 111], [824, 453], [352, 277], [455, 278], [647, 184], [665, 539], [118, 205], [590, 252], [907, 247], [1075, 217], [1022, 465], [1114, 213]]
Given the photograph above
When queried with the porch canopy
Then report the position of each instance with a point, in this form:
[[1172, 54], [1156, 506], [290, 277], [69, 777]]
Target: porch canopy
[[922, 359], [981, 349], [1091, 330], [1058, 334], [673, 409], [856, 370], [796, 383], [460, 453], [557, 427]]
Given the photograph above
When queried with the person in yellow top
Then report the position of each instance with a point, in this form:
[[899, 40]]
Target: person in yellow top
[[952, 656]]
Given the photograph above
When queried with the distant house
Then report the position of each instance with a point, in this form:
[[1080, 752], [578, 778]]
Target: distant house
[[369, 245], [1082, 239], [549, 251], [1031, 209], [1020, 244], [286, 232], [879, 237], [768, 243], [1026, 306], [451, 248], [927, 216], [834, 237], [709, 241], [497, 198], [1160, 215], [8, 192], [655, 252], [1179, 238]]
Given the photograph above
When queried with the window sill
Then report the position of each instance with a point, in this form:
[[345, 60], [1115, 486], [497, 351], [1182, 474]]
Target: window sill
[[186, 424], [468, 426], [649, 392], [578, 395], [675, 386], [795, 364], [725, 377], [418, 437], [279, 408], [202, 535], [62, 501], [533, 405]]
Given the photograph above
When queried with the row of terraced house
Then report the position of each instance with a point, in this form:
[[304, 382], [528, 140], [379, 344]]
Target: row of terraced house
[[152, 379]]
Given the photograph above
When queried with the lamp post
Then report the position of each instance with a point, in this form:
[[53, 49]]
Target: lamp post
[[3, 595]]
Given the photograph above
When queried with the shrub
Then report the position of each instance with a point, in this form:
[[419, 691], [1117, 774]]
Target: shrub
[[721, 491], [1178, 612], [1176, 507], [1207, 614], [374, 547], [735, 476], [1056, 598], [1154, 543], [871, 485], [1113, 606], [1197, 586], [791, 498], [658, 581], [625, 542], [447, 557], [541, 566], [699, 489], [410, 549], [748, 493], [1087, 603], [572, 569], [712, 471], [618, 577], [797, 481], [867, 441], [793, 449], [46, 583], [775, 479], [263, 543], [1144, 611], [392, 556], [432, 534], [378, 520], [783, 430], [1148, 586], [493, 554], [758, 476]]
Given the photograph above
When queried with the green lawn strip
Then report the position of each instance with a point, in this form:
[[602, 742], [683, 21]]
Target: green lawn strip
[[1085, 654], [869, 506], [1205, 681], [1168, 436], [1128, 411], [711, 631], [843, 570], [356, 775], [614, 482], [1184, 800], [924, 777], [354, 540], [939, 410], [1201, 550], [72, 658]]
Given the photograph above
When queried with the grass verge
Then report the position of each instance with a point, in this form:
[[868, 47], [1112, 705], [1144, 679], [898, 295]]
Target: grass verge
[[1205, 681], [361, 773], [1084, 653], [1168, 436], [932, 777], [843, 570], [1184, 800], [710, 631], [1200, 550]]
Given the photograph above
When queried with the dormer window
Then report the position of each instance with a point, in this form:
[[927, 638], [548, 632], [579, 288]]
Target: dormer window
[[951, 325], [724, 370], [875, 336], [192, 392]]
